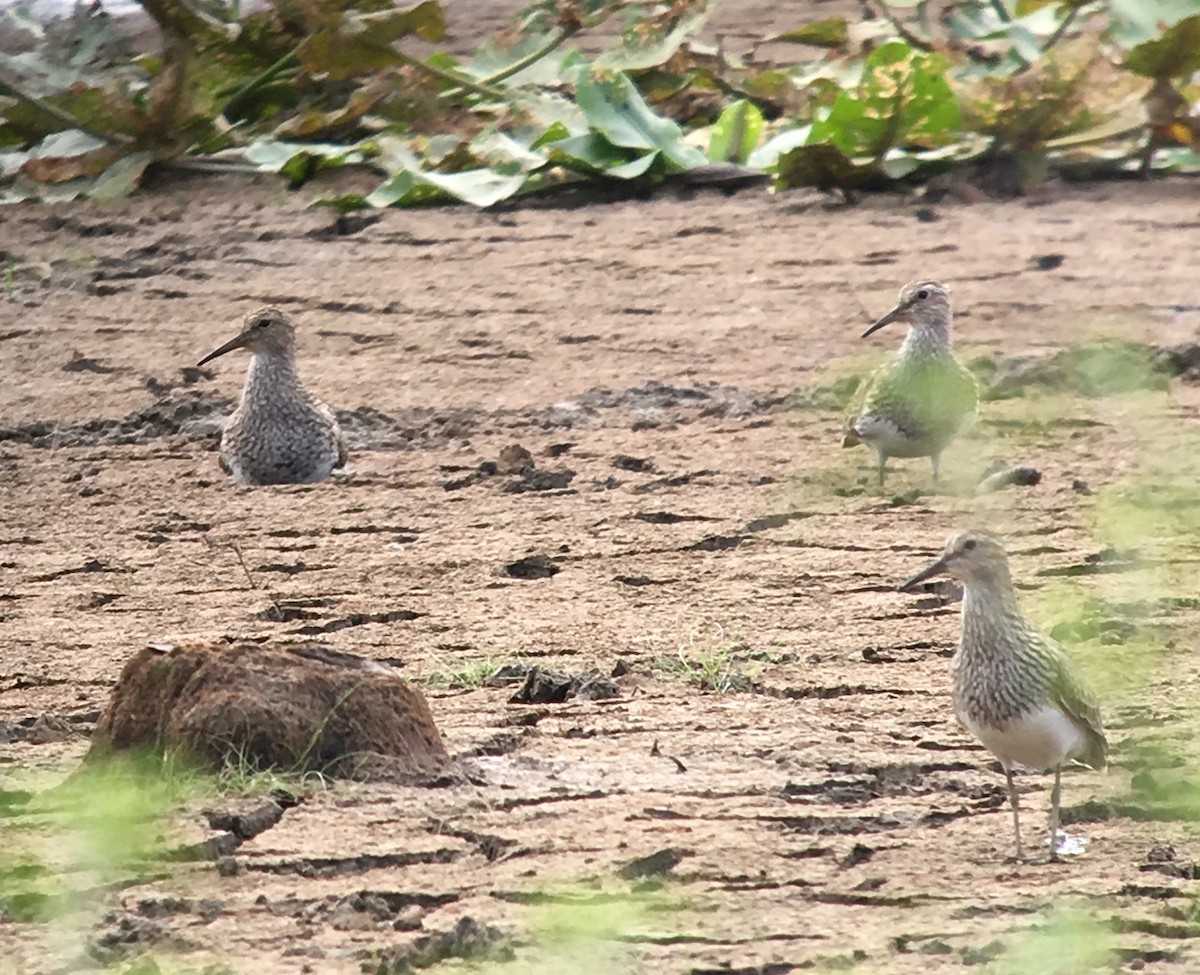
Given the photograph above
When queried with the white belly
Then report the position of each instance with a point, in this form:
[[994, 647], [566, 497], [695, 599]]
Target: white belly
[[1040, 739], [882, 434]]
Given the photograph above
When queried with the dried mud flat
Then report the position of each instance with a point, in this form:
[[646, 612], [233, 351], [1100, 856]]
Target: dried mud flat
[[683, 502]]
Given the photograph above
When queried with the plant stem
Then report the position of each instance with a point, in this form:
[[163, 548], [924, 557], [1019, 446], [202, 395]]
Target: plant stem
[[59, 115], [533, 57], [455, 79], [906, 35], [258, 81], [1002, 11], [1060, 29]]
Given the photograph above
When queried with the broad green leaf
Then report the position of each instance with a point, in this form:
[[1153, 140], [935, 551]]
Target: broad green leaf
[[480, 187], [616, 109], [767, 157], [1174, 55], [555, 133], [11, 161], [299, 161], [590, 151], [396, 188], [634, 168], [1133, 22], [70, 142], [831, 32], [362, 43], [121, 178], [647, 45], [501, 151], [903, 98], [736, 132]]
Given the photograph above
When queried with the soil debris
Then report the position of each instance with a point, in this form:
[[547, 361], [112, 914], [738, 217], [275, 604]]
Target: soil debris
[[550, 687], [468, 939], [272, 707]]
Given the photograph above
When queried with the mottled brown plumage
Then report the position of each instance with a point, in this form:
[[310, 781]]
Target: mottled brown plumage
[[1012, 686], [280, 433]]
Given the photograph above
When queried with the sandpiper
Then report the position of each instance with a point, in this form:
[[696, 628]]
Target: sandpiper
[[916, 404], [1012, 686], [280, 433]]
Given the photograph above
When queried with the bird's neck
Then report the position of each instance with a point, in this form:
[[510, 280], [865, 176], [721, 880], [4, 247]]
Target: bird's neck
[[268, 372], [991, 617], [925, 339]]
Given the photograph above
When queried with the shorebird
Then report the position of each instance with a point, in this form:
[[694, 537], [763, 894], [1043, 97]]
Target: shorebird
[[919, 401], [280, 433], [1012, 687]]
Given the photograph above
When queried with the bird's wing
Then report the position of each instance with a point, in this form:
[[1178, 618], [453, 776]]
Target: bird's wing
[[860, 403], [962, 395], [1078, 703], [339, 437]]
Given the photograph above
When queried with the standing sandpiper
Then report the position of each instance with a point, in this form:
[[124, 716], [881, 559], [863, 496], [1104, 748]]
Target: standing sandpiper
[[280, 433], [917, 403], [1012, 686]]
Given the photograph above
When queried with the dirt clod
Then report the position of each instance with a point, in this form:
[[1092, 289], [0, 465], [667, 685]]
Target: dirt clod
[[532, 567], [548, 687], [273, 708], [657, 864], [467, 939]]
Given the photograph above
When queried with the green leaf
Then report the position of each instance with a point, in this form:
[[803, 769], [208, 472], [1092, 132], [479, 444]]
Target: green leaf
[[831, 32], [635, 167], [616, 109], [736, 132], [903, 98], [346, 203], [502, 152], [480, 187], [1174, 55], [121, 178], [767, 157], [590, 152], [362, 43], [646, 44], [1133, 22], [69, 142]]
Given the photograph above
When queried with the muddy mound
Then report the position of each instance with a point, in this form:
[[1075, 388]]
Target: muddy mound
[[297, 708], [188, 413]]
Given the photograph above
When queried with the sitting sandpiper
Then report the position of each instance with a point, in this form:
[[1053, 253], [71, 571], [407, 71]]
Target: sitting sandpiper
[[1012, 687], [280, 433], [916, 404]]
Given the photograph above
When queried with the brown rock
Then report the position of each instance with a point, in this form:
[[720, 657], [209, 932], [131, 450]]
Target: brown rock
[[295, 708]]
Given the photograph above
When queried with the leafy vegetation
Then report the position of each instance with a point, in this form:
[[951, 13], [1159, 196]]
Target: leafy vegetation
[[1009, 89]]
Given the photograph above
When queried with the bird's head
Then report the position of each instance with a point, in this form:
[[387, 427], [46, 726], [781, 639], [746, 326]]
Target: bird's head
[[972, 557], [921, 303], [263, 330]]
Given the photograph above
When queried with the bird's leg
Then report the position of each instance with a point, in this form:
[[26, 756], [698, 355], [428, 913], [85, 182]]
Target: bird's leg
[[882, 468], [1054, 797], [935, 460], [1012, 797]]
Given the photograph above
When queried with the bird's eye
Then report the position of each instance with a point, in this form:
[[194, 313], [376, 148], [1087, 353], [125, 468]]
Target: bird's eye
[[923, 294], [969, 544], [262, 323]]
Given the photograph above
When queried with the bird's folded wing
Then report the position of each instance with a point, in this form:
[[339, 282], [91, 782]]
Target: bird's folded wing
[[1080, 706]]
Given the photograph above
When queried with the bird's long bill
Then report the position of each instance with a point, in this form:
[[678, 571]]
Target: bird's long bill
[[887, 319], [234, 343], [937, 568]]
